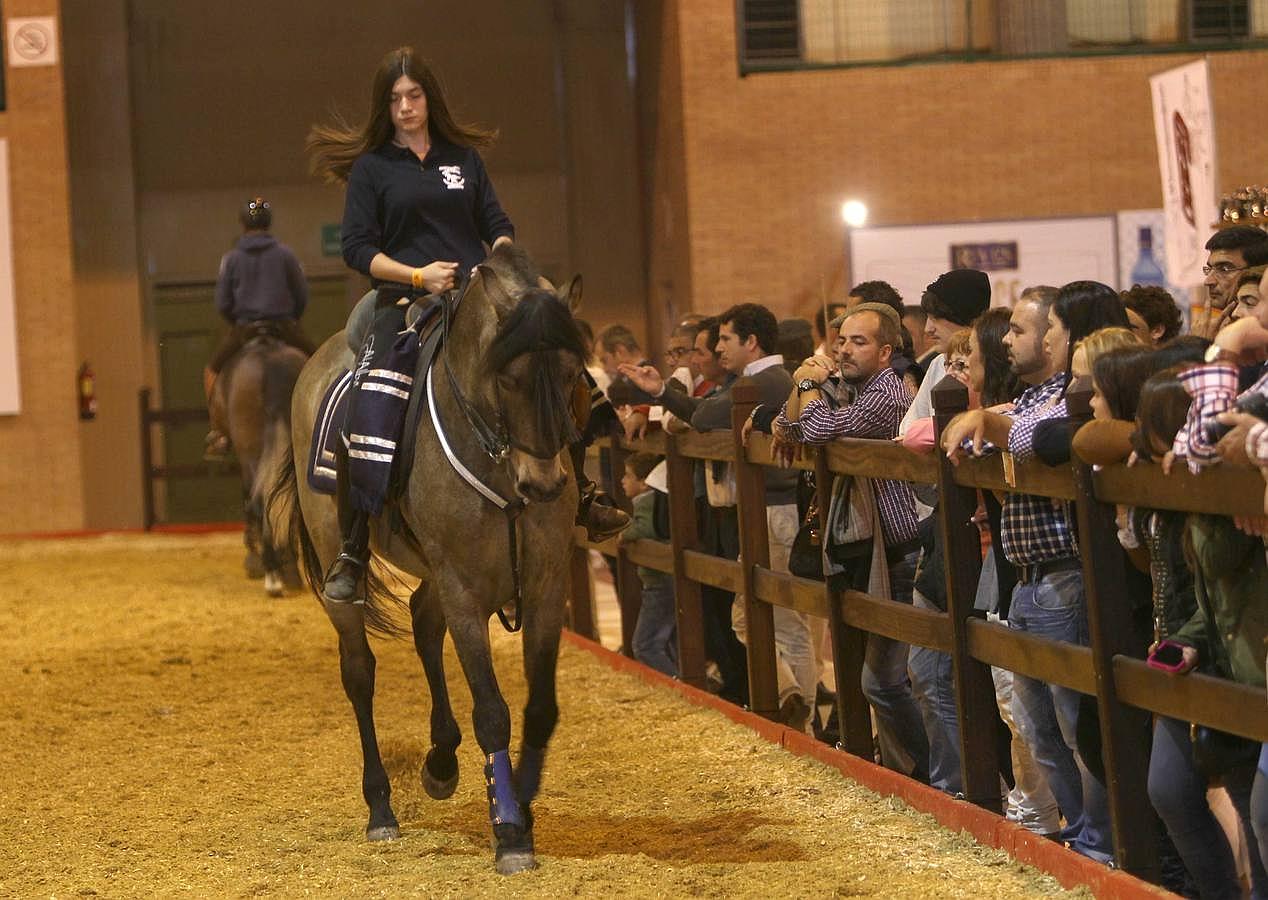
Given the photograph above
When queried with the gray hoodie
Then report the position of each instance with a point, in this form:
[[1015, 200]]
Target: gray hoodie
[[260, 279]]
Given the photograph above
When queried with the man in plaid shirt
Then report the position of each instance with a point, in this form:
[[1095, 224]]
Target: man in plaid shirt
[[1037, 537], [868, 335]]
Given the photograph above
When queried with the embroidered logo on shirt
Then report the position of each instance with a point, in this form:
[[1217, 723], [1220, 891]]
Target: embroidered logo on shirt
[[453, 177]]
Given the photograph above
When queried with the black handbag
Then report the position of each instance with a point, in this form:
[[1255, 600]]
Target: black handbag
[[1217, 752], [805, 559]]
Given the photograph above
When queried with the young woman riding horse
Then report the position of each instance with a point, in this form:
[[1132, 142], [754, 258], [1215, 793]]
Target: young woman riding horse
[[418, 212], [489, 453]]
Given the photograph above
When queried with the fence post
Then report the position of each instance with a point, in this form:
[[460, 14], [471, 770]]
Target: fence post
[[849, 645], [1124, 729], [147, 460], [750, 489], [962, 554], [629, 590], [684, 534], [580, 594]]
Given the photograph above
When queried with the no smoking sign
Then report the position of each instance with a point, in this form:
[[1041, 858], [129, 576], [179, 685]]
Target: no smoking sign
[[32, 41]]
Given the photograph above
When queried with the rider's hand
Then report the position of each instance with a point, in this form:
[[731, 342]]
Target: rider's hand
[[439, 277], [645, 378]]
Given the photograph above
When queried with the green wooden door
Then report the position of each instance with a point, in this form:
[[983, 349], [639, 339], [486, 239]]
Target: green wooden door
[[188, 329]]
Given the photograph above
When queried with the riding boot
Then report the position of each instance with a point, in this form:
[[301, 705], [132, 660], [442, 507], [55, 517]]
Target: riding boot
[[595, 509], [217, 442], [343, 580]]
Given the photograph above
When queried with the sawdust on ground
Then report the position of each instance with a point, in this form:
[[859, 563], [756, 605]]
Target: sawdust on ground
[[170, 730]]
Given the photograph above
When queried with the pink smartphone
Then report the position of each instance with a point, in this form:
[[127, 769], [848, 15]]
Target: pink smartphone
[[1168, 656]]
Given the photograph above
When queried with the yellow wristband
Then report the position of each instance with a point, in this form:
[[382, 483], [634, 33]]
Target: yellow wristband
[[416, 277]]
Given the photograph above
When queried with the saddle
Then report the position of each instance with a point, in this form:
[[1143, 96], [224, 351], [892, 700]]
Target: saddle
[[422, 316]]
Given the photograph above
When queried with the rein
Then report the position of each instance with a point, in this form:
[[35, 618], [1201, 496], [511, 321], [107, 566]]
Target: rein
[[492, 440]]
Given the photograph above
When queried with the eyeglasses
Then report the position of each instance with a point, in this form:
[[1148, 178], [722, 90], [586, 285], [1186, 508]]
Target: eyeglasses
[[957, 365], [1221, 269]]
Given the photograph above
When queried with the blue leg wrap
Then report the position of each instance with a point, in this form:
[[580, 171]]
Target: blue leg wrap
[[528, 775], [504, 809]]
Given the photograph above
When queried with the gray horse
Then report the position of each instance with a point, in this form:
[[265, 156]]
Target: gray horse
[[515, 355]]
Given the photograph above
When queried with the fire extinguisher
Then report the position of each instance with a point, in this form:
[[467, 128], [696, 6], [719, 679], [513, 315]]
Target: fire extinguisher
[[87, 392]]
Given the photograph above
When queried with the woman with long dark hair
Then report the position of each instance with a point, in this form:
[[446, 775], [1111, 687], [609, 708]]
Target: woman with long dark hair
[[419, 211]]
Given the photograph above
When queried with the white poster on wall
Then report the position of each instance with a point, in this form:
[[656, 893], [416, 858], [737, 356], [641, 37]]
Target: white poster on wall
[[1185, 131], [1015, 254], [1142, 254], [9, 396]]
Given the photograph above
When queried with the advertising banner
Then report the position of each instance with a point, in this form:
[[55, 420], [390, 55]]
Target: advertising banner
[[1185, 131]]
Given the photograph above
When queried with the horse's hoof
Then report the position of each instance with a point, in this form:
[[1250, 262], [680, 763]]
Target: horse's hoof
[[513, 861], [383, 833], [439, 789], [273, 584]]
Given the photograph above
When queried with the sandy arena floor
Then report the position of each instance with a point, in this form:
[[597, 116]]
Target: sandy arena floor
[[168, 730]]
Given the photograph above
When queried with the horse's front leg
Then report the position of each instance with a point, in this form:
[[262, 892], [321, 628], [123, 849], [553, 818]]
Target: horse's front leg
[[543, 621], [492, 721], [440, 769], [356, 666]]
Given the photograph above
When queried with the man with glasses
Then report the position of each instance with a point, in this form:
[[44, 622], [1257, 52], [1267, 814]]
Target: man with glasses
[[1225, 261]]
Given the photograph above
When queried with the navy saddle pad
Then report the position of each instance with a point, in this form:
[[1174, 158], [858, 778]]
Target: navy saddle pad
[[327, 434]]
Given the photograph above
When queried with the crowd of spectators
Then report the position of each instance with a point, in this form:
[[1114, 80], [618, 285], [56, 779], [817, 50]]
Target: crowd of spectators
[[866, 368]]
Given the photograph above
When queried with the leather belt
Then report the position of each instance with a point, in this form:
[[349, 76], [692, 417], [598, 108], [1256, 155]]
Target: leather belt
[[1028, 574]]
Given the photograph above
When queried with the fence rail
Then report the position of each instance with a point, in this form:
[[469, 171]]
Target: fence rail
[[150, 472], [1128, 691]]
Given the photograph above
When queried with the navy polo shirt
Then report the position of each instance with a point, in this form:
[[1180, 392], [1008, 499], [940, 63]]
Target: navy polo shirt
[[418, 212]]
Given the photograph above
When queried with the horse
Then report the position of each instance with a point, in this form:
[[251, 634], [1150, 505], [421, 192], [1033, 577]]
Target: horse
[[511, 356], [252, 398]]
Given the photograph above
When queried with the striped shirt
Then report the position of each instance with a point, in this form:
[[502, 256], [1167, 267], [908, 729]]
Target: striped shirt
[[876, 412], [1032, 528]]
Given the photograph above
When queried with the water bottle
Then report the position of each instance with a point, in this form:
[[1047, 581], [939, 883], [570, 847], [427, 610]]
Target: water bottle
[[1147, 270]]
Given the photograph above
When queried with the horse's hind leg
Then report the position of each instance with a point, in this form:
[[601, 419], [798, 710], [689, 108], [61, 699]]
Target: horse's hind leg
[[440, 769], [356, 666]]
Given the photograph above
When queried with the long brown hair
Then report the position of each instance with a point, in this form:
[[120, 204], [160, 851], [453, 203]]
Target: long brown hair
[[333, 148]]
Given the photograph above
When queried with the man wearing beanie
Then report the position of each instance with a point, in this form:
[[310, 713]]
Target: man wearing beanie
[[950, 303]]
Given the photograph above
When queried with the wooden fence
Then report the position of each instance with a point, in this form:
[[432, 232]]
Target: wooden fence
[[152, 472], [1112, 669]]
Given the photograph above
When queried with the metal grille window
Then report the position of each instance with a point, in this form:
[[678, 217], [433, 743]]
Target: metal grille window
[[781, 34]]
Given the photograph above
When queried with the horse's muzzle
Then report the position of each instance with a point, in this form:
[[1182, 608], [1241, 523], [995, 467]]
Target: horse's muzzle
[[538, 480]]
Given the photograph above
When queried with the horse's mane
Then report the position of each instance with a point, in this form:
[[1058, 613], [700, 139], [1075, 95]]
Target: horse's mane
[[539, 321]]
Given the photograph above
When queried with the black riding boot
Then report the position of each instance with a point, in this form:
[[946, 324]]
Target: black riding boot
[[595, 511], [344, 577]]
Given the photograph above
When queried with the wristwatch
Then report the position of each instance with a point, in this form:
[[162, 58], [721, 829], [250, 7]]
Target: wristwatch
[[807, 384], [1214, 353]]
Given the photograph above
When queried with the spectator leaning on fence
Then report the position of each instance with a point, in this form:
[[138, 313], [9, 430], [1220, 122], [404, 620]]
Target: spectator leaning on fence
[[655, 633], [1226, 257], [1038, 539], [1153, 313], [868, 334], [747, 337]]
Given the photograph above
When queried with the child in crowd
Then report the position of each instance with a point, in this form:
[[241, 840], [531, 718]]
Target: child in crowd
[[656, 633]]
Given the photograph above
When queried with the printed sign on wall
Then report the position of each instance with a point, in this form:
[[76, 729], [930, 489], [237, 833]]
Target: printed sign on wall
[[1015, 255], [32, 41], [1186, 156]]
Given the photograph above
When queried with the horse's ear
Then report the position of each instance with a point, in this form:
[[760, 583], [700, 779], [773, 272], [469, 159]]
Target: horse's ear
[[571, 294], [544, 283], [494, 291]]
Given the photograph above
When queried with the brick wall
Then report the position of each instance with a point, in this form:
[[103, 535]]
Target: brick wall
[[769, 158], [40, 471]]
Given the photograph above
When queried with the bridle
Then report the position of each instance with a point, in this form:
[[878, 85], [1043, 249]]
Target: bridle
[[494, 439]]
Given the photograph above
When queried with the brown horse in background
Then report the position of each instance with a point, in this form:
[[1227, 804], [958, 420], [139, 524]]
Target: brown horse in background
[[511, 359], [251, 402]]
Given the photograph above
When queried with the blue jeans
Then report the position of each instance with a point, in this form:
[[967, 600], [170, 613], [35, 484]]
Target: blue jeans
[[932, 680], [1178, 793], [1047, 715], [655, 632], [899, 724]]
